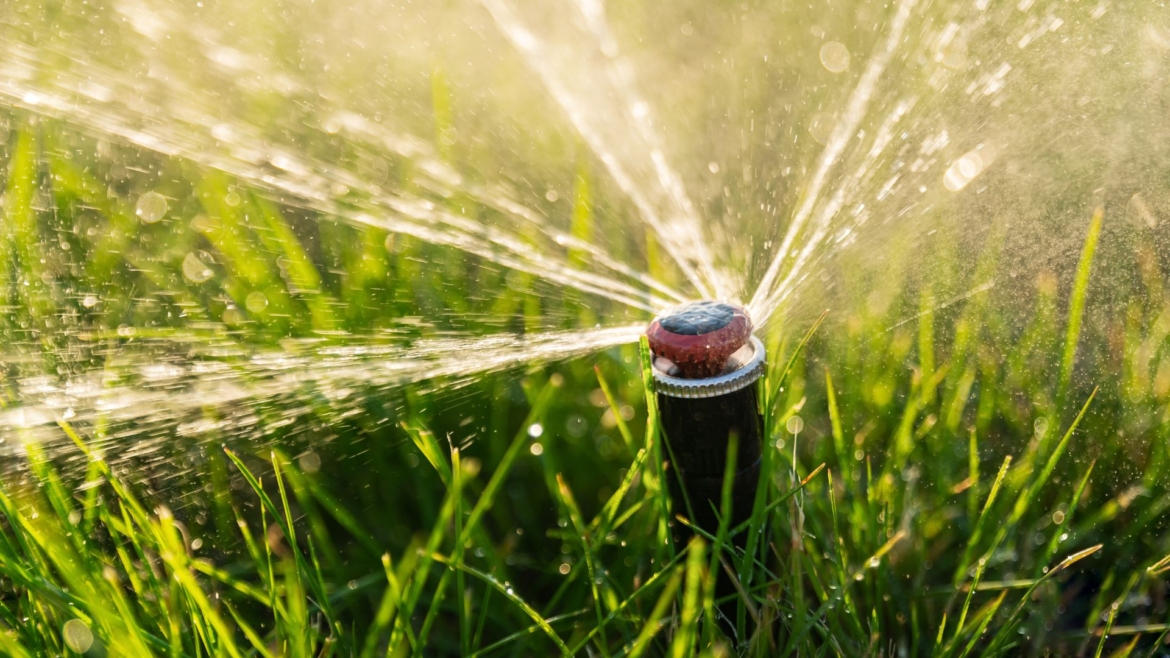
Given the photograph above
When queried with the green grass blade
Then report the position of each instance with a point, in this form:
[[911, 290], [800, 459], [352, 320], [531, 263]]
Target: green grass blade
[[1066, 522], [652, 625], [511, 595], [623, 428], [1076, 306], [692, 603], [977, 533]]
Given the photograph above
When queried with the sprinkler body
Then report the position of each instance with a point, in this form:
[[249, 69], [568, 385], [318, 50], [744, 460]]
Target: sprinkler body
[[707, 367]]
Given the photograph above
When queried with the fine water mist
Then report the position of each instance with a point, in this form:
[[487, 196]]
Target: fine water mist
[[207, 194]]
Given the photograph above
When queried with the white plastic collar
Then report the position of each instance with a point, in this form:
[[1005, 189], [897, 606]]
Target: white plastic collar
[[709, 387]]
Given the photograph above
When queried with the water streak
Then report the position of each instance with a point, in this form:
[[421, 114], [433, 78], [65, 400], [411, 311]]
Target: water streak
[[236, 149], [155, 23], [196, 388], [763, 302], [582, 72]]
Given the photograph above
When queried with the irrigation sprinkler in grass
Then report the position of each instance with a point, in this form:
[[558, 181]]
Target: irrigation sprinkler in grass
[[706, 370]]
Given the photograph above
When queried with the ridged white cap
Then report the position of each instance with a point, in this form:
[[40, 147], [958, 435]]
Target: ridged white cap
[[709, 387]]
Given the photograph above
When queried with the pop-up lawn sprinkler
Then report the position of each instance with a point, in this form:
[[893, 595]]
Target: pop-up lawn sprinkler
[[706, 368]]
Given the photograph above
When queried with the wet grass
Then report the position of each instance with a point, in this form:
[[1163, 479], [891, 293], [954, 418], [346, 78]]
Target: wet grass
[[954, 487]]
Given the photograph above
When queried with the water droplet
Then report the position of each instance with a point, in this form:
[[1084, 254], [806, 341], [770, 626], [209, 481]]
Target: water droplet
[[794, 425], [576, 426], [310, 462], [77, 635], [536, 449], [1040, 427], [821, 126], [195, 269], [256, 302], [535, 430], [151, 207], [964, 170], [835, 57]]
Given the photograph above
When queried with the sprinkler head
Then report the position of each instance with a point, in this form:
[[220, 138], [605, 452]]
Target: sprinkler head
[[698, 338]]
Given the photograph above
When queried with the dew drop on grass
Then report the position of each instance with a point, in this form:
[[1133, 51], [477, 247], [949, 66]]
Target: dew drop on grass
[[151, 207], [535, 430], [536, 448]]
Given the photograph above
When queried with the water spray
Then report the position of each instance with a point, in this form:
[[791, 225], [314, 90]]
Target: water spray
[[707, 366]]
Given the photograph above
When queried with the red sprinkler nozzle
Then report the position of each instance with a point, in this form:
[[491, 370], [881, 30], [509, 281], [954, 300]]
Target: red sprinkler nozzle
[[699, 337]]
